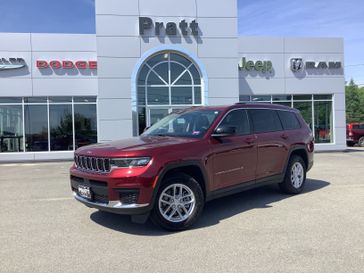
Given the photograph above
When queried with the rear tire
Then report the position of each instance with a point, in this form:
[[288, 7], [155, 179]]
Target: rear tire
[[361, 142], [179, 202], [295, 176]]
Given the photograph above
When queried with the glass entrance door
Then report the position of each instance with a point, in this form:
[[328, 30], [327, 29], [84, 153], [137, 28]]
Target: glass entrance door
[[156, 114]]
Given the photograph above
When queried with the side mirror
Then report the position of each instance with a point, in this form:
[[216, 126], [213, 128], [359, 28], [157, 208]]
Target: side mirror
[[224, 130]]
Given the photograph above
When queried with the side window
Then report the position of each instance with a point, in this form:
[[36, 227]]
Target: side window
[[239, 120], [265, 120], [361, 126], [289, 120]]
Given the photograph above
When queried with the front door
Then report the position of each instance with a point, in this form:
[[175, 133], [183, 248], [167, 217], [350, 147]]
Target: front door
[[234, 157]]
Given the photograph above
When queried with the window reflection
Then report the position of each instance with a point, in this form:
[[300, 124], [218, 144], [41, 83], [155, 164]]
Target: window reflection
[[85, 124], [60, 122], [11, 128], [36, 127]]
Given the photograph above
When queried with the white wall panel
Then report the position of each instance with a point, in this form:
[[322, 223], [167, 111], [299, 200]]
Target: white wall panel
[[120, 7], [111, 25], [63, 42], [15, 42], [114, 129], [208, 8], [115, 88], [114, 109], [65, 87], [168, 8], [116, 67], [218, 48], [118, 46]]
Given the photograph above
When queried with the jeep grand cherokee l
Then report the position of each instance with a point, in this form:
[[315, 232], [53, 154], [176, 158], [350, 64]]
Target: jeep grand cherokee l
[[191, 157]]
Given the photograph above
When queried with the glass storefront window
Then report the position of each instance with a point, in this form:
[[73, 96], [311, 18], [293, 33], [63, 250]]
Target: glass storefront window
[[166, 81], [181, 95], [11, 128], [315, 109], [85, 124], [48, 123], [306, 111], [36, 127], [60, 126], [323, 121]]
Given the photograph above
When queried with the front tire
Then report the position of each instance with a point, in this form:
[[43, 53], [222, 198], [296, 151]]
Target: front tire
[[295, 176], [179, 202]]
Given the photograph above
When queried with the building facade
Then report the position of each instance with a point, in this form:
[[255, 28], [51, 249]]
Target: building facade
[[61, 91]]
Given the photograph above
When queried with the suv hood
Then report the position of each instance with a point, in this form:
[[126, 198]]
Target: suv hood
[[131, 145]]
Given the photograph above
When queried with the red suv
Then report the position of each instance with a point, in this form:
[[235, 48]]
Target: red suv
[[355, 134], [191, 157]]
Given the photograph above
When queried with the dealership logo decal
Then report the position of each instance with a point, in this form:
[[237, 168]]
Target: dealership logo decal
[[259, 66], [297, 65], [146, 24], [11, 63], [56, 64]]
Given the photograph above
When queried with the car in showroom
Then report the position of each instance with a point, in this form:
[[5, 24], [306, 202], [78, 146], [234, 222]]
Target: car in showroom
[[193, 156]]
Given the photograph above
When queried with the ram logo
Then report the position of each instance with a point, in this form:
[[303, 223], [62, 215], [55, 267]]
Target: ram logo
[[11, 63], [297, 64]]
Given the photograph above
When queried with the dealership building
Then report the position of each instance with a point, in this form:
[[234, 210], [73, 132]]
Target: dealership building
[[59, 92]]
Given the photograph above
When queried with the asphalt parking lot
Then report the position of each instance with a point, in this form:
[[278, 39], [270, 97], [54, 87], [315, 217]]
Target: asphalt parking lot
[[42, 229]]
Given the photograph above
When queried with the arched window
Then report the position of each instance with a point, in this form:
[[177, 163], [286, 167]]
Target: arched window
[[166, 82]]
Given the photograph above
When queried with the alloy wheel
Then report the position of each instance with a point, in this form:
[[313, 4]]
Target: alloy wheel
[[176, 203]]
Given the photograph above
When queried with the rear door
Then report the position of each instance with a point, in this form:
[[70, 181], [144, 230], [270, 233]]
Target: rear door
[[234, 157], [272, 145]]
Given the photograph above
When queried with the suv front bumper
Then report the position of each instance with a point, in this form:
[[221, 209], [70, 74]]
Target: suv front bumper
[[115, 206]]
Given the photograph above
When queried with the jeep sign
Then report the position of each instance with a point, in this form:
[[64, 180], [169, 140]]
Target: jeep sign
[[259, 66]]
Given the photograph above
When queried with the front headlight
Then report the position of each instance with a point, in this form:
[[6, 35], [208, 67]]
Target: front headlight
[[129, 162]]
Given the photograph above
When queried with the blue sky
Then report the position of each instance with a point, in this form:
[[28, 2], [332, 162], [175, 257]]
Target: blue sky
[[317, 18]]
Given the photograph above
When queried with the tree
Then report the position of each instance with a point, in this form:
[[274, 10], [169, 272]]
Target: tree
[[354, 97]]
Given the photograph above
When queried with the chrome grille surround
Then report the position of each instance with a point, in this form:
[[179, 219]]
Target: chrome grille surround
[[92, 164]]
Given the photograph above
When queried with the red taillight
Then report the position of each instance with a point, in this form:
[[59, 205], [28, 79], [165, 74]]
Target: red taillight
[[350, 126]]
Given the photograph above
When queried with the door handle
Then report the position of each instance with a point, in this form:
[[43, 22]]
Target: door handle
[[284, 136]]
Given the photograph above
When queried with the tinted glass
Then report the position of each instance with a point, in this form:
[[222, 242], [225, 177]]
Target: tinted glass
[[239, 120], [197, 95], [158, 95], [84, 99], [36, 127], [11, 128], [289, 120], [181, 95], [323, 121], [184, 124], [10, 100], [60, 122], [244, 98], [261, 98], [265, 120], [35, 100], [85, 124], [281, 97], [306, 111], [322, 97], [60, 99]]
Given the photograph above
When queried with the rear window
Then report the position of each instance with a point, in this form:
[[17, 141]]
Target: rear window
[[265, 120], [289, 120]]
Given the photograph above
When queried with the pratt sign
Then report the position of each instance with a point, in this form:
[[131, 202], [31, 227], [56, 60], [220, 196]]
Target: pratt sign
[[259, 66], [147, 24], [56, 64], [297, 65], [11, 63]]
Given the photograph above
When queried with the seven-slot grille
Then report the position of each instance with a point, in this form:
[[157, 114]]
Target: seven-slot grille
[[93, 164]]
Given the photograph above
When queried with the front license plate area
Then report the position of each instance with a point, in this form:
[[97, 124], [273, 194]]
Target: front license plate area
[[85, 192]]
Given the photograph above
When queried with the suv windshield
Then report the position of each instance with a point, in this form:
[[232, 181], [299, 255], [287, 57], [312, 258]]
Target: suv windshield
[[184, 124]]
